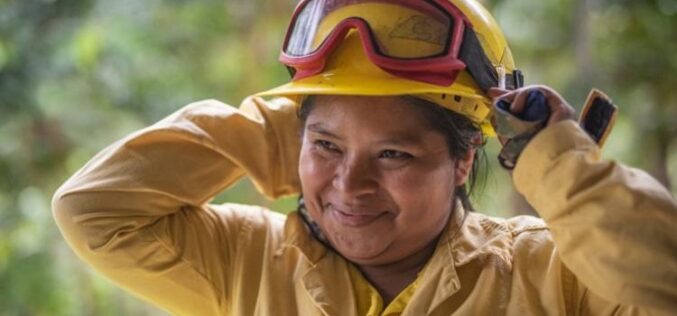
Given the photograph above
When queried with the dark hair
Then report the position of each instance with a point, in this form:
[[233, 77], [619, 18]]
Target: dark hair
[[461, 135]]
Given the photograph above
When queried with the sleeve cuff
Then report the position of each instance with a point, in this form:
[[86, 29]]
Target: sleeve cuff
[[544, 149]]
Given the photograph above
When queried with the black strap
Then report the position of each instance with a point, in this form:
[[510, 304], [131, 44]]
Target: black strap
[[480, 67]]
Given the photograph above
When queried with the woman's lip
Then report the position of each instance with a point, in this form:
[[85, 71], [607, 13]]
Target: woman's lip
[[353, 219]]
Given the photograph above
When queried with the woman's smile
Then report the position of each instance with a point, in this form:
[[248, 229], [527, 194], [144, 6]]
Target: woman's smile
[[353, 218]]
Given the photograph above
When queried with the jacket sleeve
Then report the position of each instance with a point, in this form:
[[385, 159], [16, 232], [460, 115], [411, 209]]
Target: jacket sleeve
[[138, 213], [613, 226]]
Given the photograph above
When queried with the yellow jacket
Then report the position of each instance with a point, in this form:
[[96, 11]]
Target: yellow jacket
[[139, 213]]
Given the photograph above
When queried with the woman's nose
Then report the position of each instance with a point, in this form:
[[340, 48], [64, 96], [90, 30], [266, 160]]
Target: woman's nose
[[355, 177]]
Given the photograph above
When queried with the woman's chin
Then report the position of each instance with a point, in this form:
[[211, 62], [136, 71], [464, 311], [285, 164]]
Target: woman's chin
[[361, 252]]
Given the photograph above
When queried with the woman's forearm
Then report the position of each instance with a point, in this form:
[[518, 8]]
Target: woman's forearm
[[613, 226]]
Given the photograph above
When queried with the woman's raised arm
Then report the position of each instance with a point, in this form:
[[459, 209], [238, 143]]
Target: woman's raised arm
[[613, 226], [138, 213]]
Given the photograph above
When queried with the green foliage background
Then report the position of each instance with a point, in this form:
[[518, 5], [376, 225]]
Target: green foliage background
[[75, 75]]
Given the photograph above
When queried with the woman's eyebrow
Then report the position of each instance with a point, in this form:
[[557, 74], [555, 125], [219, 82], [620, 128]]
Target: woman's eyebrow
[[403, 139], [394, 139], [399, 139], [320, 129]]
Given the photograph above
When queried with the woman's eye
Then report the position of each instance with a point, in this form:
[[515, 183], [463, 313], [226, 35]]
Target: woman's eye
[[394, 154], [326, 145]]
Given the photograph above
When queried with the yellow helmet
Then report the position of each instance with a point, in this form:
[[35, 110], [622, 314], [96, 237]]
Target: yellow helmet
[[348, 69]]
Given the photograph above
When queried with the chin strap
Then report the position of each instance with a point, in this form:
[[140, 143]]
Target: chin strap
[[312, 225], [481, 69]]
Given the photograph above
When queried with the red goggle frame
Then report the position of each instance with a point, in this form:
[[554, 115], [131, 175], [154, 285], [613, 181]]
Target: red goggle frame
[[441, 69]]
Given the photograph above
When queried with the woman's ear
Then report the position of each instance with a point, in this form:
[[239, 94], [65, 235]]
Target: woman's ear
[[463, 167]]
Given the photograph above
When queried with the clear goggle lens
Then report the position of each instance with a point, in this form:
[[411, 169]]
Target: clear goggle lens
[[399, 29]]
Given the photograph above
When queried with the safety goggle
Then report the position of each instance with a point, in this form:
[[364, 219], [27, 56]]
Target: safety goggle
[[423, 40]]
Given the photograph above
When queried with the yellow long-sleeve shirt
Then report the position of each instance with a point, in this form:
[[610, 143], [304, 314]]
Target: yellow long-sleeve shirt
[[139, 213]]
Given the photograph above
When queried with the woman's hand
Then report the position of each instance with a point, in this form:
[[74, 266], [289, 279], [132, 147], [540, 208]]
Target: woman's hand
[[560, 110], [514, 135]]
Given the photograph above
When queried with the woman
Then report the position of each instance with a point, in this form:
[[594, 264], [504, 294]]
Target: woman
[[391, 101]]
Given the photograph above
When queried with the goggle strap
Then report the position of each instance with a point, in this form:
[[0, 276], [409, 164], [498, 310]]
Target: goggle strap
[[480, 67]]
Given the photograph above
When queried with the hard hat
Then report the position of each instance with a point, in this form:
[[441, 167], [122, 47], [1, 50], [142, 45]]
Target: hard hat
[[340, 57]]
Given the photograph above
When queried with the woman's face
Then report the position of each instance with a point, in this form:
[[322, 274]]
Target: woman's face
[[377, 180]]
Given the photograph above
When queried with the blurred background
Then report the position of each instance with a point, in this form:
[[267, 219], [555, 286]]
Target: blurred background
[[75, 75]]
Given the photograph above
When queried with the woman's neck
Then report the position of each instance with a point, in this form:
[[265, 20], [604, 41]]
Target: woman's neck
[[390, 279]]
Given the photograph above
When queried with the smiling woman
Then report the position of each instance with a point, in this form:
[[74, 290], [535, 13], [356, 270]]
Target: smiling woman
[[359, 167], [361, 158], [383, 150]]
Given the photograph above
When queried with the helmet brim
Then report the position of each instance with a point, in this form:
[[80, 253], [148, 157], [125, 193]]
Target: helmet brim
[[334, 83], [346, 84]]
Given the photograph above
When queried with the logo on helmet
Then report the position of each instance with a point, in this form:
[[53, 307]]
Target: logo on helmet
[[420, 28]]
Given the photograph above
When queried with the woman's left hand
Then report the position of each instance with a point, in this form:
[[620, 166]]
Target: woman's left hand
[[515, 138], [560, 110]]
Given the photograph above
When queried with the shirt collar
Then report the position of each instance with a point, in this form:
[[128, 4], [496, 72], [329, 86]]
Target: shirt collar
[[467, 236], [297, 235], [481, 236]]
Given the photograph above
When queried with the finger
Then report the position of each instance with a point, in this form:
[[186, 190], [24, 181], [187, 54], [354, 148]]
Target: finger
[[518, 103], [561, 114], [559, 108], [552, 96], [494, 93], [507, 96]]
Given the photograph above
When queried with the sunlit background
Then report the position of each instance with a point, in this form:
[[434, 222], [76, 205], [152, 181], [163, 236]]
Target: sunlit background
[[75, 75]]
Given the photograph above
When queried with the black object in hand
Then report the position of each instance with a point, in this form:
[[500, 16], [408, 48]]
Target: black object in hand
[[535, 109], [518, 128]]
